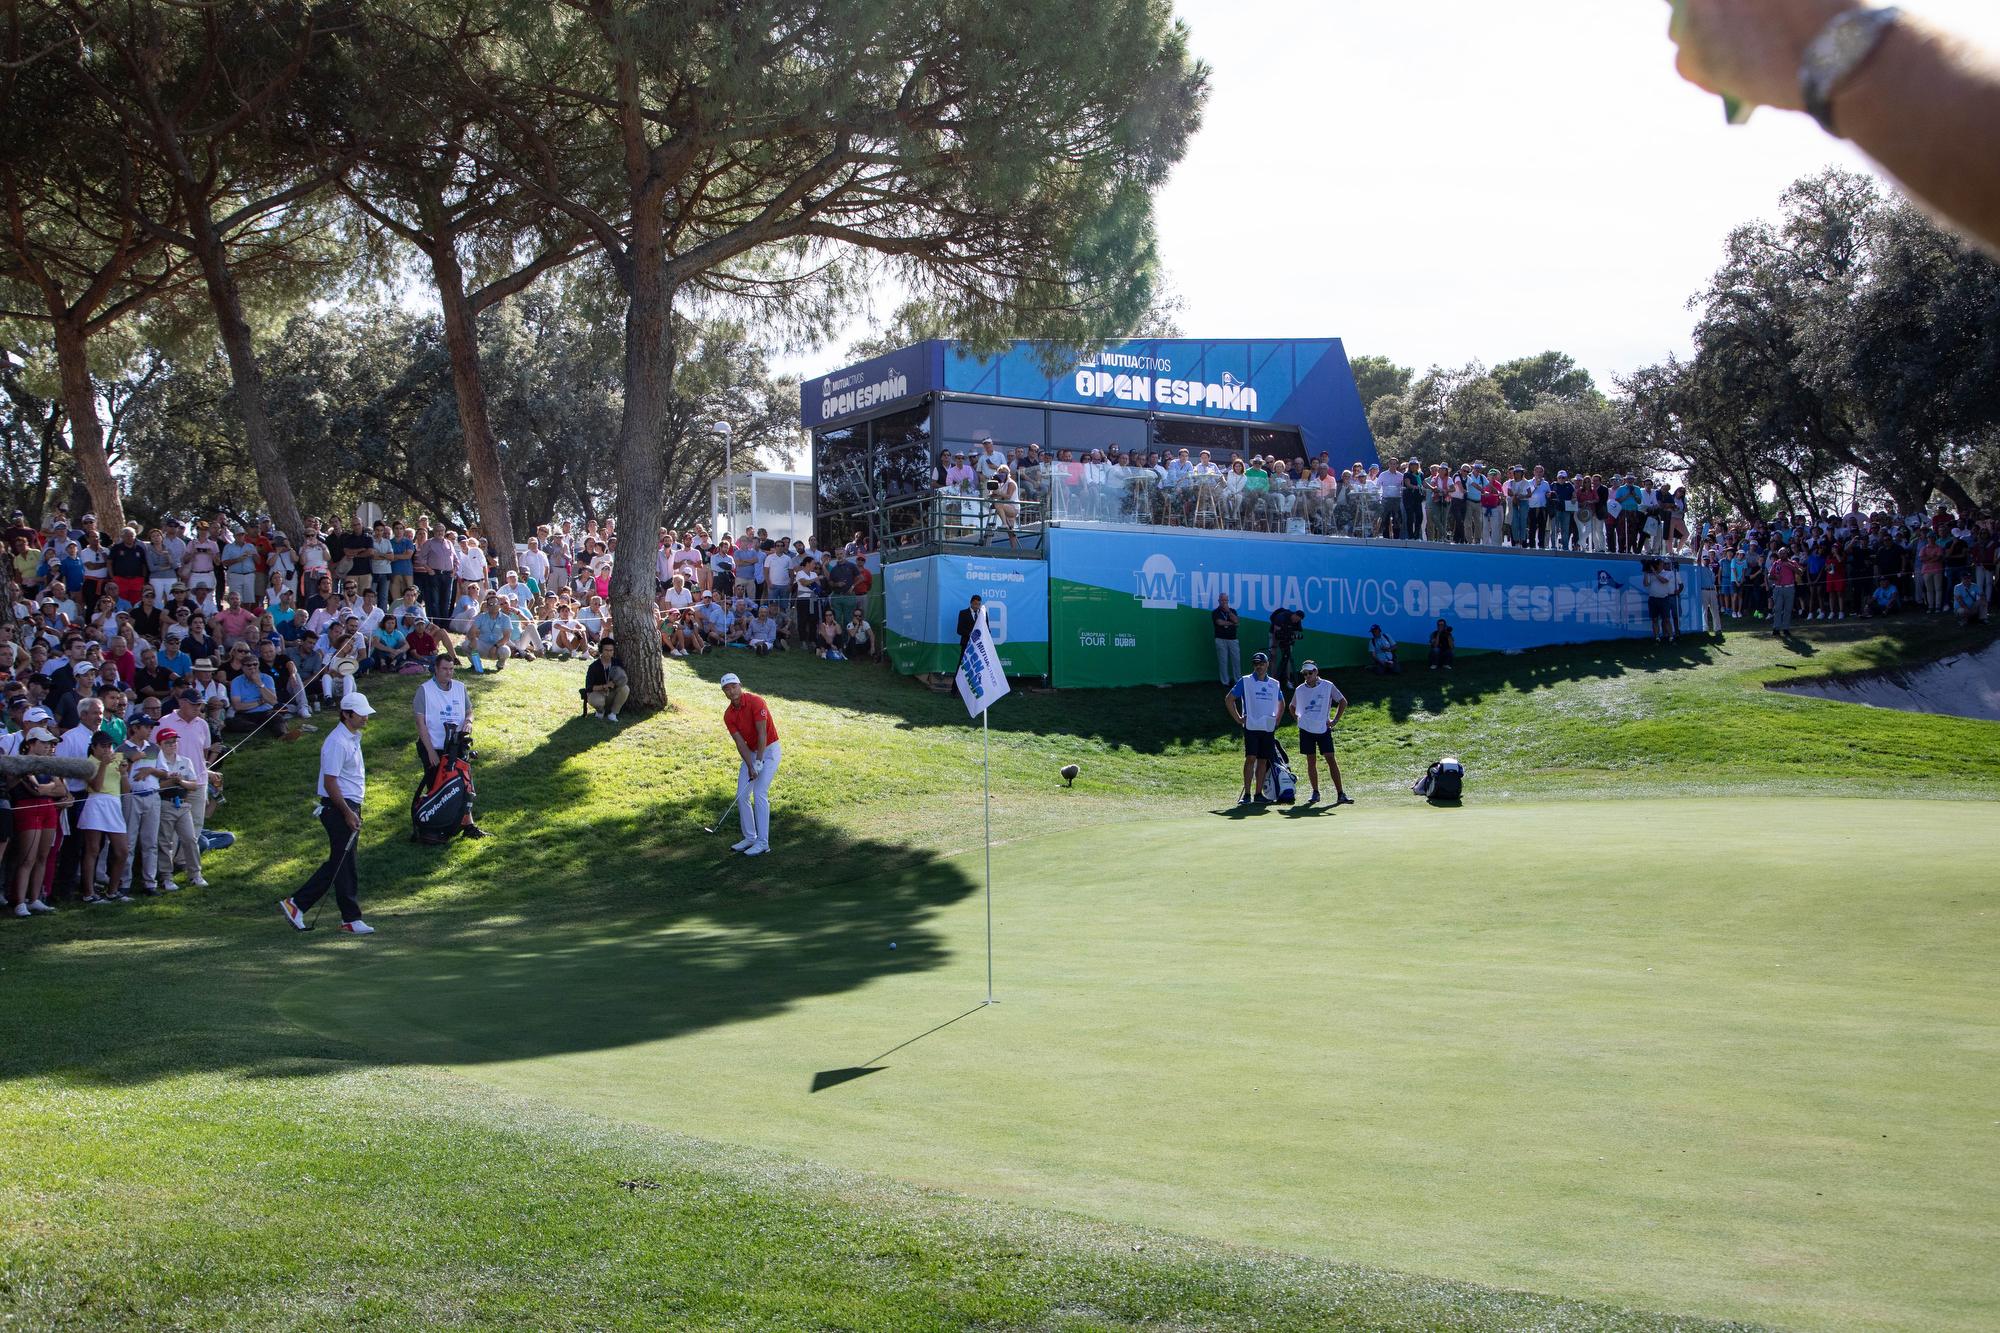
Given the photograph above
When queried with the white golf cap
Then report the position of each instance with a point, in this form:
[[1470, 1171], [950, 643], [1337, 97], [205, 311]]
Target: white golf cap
[[1310, 666], [357, 703], [729, 678]]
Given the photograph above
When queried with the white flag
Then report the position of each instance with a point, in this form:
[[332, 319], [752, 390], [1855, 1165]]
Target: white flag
[[981, 678]]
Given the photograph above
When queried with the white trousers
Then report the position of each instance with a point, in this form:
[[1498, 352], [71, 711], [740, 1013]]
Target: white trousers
[[753, 796]]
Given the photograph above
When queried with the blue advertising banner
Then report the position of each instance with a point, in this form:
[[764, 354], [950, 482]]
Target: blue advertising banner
[[1302, 383], [1305, 383], [872, 387], [1132, 605], [923, 598]]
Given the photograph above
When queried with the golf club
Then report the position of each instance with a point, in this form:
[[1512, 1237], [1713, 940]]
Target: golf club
[[720, 817], [320, 906]]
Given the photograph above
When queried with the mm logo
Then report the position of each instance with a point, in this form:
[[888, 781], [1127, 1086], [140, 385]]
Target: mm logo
[[1159, 581]]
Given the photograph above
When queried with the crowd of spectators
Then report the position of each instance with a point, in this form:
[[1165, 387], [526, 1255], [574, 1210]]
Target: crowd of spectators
[[1857, 565], [154, 654], [1472, 504]]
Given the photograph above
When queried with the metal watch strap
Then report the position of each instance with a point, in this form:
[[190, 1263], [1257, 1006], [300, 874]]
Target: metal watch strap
[[1837, 55]]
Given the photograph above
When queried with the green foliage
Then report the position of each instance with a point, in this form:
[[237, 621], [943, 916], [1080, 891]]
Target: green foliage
[[361, 398], [1556, 375], [1378, 377], [1850, 340]]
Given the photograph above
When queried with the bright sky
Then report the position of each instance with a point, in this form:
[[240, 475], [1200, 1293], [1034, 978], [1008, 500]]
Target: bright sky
[[1439, 180]]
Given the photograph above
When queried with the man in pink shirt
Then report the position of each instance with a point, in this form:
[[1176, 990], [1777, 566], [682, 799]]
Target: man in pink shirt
[[1784, 579]]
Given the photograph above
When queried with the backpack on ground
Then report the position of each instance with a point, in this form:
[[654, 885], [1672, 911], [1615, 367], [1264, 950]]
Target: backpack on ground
[[1442, 781], [1280, 787]]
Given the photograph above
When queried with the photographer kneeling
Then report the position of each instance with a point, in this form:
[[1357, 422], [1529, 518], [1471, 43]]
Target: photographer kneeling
[[605, 686]]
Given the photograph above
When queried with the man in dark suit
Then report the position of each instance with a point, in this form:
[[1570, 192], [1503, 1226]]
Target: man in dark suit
[[968, 620]]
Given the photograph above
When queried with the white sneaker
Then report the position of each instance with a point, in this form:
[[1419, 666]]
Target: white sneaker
[[757, 848], [357, 927], [612, 718], [199, 882], [21, 909], [293, 914], [744, 845], [40, 908]]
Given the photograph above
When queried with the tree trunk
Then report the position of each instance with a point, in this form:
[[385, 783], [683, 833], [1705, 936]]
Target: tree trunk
[[273, 478], [649, 374], [1961, 499], [461, 338], [86, 430]]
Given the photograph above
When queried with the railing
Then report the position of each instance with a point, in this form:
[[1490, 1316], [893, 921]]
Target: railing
[[1139, 497], [961, 519]]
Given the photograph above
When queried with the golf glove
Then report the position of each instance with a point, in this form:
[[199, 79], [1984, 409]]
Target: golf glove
[[756, 769]]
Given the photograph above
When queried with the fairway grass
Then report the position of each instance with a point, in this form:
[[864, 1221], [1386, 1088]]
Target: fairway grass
[[1381, 1042], [1739, 1064]]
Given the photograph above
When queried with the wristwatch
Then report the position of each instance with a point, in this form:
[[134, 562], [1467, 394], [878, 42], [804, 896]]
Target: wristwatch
[[1837, 55]]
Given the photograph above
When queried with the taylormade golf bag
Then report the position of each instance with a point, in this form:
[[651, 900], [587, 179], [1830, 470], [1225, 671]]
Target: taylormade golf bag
[[443, 800], [1443, 781], [1280, 787]]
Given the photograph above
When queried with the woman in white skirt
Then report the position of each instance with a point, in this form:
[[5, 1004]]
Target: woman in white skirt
[[103, 819]]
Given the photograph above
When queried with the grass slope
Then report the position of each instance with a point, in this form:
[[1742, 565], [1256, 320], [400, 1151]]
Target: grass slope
[[206, 1139]]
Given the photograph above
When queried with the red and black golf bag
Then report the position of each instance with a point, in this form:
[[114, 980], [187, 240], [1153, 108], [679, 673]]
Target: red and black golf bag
[[443, 801]]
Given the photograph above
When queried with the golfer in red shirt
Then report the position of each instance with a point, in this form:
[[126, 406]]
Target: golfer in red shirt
[[748, 718]]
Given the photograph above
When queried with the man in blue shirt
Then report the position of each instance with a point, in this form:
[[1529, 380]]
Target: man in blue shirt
[[252, 696], [1256, 702], [490, 633]]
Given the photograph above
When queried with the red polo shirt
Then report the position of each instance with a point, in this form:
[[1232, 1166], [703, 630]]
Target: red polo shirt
[[741, 719]]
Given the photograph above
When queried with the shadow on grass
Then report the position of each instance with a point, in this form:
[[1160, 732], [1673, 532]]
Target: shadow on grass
[[1154, 720], [623, 928]]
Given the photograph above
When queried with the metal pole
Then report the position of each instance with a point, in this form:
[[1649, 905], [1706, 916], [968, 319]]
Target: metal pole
[[986, 764], [729, 476]]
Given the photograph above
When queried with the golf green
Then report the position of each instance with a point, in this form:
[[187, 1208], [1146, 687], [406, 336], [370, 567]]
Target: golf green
[[1733, 1057]]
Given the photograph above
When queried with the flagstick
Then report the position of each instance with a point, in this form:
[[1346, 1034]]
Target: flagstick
[[986, 765]]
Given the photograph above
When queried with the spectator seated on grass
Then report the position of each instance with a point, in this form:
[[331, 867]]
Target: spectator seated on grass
[[490, 635]]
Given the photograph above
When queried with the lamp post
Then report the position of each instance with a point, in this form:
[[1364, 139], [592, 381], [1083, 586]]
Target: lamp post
[[728, 433]]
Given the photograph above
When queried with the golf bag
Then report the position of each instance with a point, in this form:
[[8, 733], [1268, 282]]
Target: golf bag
[[1443, 781], [443, 800], [1280, 787]]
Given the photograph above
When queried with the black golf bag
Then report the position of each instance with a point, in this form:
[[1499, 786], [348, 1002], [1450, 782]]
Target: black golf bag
[[1280, 787], [1443, 781], [442, 804]]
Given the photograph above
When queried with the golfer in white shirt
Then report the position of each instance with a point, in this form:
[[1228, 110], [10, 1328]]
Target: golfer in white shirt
[[1319, 708], [1257, 703]]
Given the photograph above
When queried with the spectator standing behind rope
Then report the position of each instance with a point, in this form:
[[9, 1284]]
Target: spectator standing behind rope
[[750, 725]]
